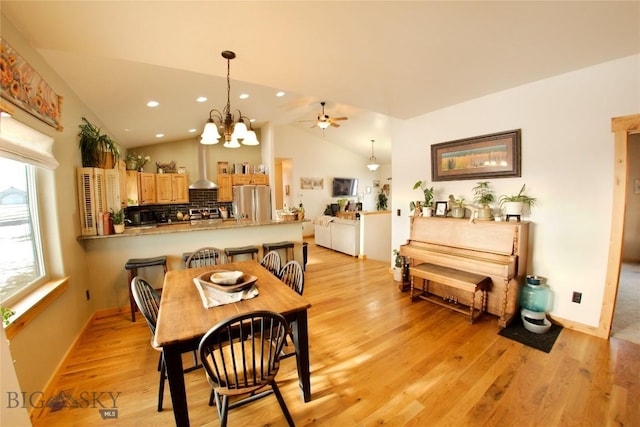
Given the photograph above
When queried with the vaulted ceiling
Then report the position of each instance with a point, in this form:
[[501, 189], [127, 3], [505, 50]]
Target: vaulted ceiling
[[374, 62]]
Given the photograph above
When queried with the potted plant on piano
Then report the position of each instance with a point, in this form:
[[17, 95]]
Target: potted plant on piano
[[456, 206], [514, 204], [416, 206], [483, 195]]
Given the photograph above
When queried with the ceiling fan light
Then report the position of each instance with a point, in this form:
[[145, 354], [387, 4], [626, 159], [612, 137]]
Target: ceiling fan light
[[251, 139], [324, 124]]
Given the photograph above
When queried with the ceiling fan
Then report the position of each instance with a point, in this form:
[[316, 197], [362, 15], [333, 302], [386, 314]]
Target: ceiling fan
[[324, 121]]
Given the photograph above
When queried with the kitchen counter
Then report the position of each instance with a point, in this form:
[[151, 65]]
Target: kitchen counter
[[186, 226]]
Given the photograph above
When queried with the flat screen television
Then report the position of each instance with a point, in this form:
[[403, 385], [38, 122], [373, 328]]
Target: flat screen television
[[345, 187]]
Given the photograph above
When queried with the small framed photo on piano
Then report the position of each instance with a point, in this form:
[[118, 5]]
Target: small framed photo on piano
[[441, 209]]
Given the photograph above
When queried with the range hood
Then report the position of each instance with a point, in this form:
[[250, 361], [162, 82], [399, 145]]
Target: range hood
[[203, 183]]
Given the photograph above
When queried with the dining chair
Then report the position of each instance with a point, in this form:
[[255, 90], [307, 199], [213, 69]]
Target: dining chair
[[271, 262], [241, 356], [293, 275], [148, 301], [204, 257]]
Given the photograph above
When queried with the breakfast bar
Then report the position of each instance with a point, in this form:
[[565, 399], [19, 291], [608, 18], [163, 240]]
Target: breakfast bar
[[107, 255]]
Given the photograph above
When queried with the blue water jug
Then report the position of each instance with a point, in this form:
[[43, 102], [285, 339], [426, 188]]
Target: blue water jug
[[534, 295]]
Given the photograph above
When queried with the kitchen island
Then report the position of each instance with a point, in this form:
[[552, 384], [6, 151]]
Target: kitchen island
[[107, 255]]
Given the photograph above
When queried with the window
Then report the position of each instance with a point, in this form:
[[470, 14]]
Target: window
[[21, 258]]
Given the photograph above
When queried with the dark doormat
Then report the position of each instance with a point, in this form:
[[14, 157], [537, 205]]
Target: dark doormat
[[543, 342]]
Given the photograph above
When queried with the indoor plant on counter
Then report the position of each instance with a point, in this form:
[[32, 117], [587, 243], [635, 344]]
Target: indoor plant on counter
[[416, 206], [512, 205], [117, 217], [96, 147], [483, 195]]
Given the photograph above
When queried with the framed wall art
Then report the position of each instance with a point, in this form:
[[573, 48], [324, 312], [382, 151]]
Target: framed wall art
[[311, 183], [26, 89], [487, 156], [441, 209]]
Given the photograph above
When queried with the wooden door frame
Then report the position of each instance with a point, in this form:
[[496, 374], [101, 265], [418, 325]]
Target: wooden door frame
[[621, 127]]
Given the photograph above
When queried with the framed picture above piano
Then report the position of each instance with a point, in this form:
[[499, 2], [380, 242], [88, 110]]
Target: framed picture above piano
[[495, 155], [441, 209]]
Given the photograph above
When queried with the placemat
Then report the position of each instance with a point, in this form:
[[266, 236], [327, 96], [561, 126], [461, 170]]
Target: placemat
[[543, 342]]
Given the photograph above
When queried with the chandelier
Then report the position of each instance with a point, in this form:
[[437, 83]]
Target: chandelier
[[233, 128], [372, 165]]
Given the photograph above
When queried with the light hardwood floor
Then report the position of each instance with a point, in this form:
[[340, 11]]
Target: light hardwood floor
[[376, 358]]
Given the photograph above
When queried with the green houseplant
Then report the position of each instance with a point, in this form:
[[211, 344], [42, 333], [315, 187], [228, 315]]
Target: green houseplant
[[483, 195], [382, 201], [456, 206], [117, 217], [513, 204], [96, 147], [428, 198]]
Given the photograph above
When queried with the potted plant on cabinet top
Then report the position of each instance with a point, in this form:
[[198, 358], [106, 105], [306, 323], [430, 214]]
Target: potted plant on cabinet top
[[117, 217], [343, 204], [456, 206], [513, 205], [416, 206], [483, 195], [96, 148]]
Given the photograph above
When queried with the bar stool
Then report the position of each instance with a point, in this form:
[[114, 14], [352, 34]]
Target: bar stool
[[305, 255], [132, 267], [231, 252], [288, 246]]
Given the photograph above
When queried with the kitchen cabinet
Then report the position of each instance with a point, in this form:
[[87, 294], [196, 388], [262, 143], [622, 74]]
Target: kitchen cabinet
[[250, 178], [147, 188], [133, 199], [171, 188], [260, 179], [225, 187]]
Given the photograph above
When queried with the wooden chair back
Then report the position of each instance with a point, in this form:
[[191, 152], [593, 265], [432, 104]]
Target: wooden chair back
[[293, 275], [204, 257], [271, 262]]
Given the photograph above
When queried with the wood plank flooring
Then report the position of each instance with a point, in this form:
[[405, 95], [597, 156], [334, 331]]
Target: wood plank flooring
[[376, 359]]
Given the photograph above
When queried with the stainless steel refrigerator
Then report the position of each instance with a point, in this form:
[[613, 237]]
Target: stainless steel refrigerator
[[252, 202]]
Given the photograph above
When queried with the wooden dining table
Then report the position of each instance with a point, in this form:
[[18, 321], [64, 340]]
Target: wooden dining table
[[183, 320]]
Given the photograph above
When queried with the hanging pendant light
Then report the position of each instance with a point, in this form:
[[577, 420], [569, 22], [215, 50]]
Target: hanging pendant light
[[372, 165], [233, 128]]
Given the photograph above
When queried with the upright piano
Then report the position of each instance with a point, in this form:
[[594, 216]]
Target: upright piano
[[490, 248]]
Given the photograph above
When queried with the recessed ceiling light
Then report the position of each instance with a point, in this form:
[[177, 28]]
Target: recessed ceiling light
[[159, 135], [192, 130], [153, 104], [244, 95], [280, 93], [252, 120], [201, 99]]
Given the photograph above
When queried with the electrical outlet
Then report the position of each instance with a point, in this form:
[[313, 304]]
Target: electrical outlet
[[88, 295], [577, 297]]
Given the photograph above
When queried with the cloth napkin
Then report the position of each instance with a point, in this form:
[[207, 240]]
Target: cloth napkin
[[213, 297]]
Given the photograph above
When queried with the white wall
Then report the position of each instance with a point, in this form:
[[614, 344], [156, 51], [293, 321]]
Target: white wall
[[567, 163], [315, 157]]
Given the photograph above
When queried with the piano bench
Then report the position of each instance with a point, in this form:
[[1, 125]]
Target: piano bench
[[462, 280]]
